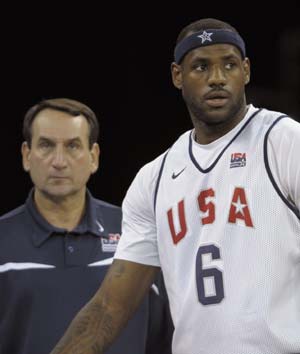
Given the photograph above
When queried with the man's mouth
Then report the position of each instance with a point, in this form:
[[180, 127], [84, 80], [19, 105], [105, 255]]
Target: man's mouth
[[217, 98]]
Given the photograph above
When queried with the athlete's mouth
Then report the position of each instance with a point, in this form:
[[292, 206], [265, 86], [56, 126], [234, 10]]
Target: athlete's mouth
[[216, 98]]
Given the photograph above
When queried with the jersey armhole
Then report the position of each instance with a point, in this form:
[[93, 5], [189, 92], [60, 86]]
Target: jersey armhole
[[291, 206], [158, 179]]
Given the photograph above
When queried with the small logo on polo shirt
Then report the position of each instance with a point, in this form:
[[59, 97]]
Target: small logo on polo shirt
[[100, 227], [110, 244]]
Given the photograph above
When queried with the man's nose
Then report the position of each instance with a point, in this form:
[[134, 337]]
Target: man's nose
[[217, 77], [59, 160]]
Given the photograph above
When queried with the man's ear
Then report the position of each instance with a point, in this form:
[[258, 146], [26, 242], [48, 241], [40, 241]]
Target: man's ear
[[247, 71], [94, 153], [176, 72], [25, 150]]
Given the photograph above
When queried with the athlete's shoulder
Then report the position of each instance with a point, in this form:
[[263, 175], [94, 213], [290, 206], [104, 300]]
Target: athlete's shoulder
[[287, 126], [269, 122], [268, 115], [143, 186], [281, 124], [152, 168], [284, 140]]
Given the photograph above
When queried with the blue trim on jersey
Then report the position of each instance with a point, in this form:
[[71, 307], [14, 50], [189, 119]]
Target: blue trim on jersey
[[222, 152], [284, 199], [158, 178]]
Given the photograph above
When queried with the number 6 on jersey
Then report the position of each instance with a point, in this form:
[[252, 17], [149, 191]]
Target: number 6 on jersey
[[214, 273]]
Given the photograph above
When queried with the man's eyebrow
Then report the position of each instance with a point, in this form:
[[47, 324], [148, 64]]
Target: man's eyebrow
[[42, 137], [76, 138], [230, 56], [45, 138]]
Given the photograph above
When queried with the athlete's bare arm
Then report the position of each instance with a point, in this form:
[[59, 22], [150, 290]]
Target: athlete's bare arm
[[99, 322]]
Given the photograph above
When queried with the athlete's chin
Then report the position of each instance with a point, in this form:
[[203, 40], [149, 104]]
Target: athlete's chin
[[218, 108], [216, 115]]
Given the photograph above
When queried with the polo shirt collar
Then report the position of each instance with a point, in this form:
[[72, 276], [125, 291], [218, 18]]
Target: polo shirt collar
[[92, 221]]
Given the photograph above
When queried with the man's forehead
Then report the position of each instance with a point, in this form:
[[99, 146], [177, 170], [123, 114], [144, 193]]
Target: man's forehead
[[50, 118], [55, 113], [59, 125]]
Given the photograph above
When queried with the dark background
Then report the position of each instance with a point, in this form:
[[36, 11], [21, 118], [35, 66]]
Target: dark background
[[116, 58]]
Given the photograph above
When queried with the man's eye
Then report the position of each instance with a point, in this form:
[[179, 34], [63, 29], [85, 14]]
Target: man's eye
[[73, 146], [229, 66], [45, 145], [201, 67]]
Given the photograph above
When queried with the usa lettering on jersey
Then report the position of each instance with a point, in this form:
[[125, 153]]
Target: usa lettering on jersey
[[239, 211]]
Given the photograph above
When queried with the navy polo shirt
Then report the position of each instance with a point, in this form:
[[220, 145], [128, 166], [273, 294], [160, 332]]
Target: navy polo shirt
[[47, 274]]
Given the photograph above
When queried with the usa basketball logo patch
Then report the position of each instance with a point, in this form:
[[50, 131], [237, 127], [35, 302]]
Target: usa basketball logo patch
[[110, 244], [238, 159]]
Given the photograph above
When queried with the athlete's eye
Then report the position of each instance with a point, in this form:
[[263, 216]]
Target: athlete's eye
[[200, 67], [229, 66]]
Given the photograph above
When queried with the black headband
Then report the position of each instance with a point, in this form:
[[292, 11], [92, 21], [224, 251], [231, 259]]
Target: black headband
[[208, 37]]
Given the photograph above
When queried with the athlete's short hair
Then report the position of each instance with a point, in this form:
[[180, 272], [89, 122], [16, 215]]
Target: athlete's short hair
[[73, 107]]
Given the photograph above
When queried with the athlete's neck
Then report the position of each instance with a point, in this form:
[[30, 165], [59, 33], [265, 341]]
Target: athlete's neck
[[207, 133]]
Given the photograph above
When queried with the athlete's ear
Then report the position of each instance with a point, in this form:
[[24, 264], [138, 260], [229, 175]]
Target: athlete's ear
[[246, 67], [176, 72]]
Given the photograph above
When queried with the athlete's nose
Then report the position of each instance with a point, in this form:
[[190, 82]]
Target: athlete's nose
[[217, 76]]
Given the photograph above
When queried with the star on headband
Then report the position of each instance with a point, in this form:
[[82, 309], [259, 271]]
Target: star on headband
[[205, 36]]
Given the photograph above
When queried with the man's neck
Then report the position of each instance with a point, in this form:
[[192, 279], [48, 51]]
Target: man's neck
[[207, 133], [64, 213]]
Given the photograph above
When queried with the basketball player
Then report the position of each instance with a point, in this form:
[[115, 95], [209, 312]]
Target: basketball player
[[218, 212]]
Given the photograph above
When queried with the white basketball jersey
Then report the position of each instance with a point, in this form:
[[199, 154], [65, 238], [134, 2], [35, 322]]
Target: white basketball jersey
[[228, 242]]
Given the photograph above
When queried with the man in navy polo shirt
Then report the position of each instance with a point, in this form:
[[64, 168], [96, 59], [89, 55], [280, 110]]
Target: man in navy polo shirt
[[55, 249]]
